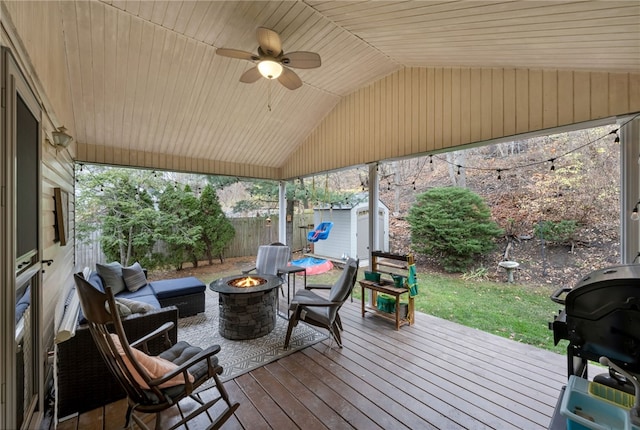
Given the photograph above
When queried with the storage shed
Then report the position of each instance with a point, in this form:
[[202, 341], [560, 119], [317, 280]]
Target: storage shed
[[349, 236]]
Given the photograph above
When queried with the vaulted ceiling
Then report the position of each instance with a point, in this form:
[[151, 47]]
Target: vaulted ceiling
[[145, 76]]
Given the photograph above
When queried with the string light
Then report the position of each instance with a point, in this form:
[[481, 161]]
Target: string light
[[617, 139]]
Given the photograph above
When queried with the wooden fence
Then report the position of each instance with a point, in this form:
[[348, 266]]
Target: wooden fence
[[250, 233]]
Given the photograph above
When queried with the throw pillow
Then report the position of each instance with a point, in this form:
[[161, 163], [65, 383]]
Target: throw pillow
[[112, 275], [155, 367], [123, 310], [135, 306], [134, 278]]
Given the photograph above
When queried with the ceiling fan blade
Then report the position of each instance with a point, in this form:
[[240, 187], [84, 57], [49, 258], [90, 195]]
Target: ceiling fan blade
[[269, 41], [290, 79], [301, 60], [250, 76], [236, 53]]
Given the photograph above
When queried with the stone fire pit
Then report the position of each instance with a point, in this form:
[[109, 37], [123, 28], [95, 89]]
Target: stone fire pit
[[247, 305]]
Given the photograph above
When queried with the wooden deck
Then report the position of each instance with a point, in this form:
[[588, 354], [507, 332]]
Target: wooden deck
[[434, 374]]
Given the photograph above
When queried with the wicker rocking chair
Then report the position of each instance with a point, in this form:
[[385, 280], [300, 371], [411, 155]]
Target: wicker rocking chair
[[153, 384]]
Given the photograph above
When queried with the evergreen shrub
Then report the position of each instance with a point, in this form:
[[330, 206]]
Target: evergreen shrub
[[454, 225]]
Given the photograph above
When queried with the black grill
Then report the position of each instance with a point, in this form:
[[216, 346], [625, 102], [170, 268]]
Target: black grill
[[601, 317]]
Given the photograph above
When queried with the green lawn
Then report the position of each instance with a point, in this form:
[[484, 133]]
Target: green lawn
[[517, 312]]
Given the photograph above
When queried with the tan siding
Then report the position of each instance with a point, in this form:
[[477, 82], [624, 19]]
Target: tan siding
[[431, 108], [422, 117], [619, 92], [599, 95], [535, 99], [565, 97], [415, 110], [446, 107], [438, 113], [582, 94], [425, 110], [549, 99], [486, 94], [522, 101], [509, 108], [455, 107], [164, 162], [465, 105], [497, 103], [634, 94], [475, 107]]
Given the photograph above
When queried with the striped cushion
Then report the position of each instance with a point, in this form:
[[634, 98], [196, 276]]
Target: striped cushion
[[112, 275], [134, 278]]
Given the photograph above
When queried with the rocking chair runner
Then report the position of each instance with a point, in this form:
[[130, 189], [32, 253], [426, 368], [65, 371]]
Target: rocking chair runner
[[152, 384]]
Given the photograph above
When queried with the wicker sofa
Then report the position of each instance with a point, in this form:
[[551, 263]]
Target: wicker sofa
[[83, 380]]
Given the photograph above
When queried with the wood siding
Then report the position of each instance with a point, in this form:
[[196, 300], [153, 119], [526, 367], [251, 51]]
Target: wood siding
[[417, 111]]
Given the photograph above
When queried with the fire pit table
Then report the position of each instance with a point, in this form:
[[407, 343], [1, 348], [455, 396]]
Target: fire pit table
[[247, 305]]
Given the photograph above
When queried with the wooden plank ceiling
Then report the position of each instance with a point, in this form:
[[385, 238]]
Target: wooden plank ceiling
[[145, 76]]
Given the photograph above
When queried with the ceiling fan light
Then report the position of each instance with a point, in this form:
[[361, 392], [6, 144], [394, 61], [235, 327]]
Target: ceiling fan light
[[270, 69]]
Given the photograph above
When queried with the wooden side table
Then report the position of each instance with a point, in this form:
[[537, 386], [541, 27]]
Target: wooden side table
[[387, 288]]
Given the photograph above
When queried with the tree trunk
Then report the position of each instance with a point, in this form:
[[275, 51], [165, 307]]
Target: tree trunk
[[398, 181], [289, 223], [457, 173]]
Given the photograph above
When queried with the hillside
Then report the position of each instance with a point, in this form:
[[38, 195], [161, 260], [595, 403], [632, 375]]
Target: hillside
[[583, 186]]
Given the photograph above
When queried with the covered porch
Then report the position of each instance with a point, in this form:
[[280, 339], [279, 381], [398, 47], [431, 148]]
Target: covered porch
[[433, 374]]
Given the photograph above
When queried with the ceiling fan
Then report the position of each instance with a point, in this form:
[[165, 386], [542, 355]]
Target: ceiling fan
[[272, 62]]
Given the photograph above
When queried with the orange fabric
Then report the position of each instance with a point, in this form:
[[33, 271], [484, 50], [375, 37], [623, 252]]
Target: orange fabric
[[155, 367]]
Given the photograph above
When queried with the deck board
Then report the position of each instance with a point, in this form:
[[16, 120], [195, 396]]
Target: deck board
[[433, 374]]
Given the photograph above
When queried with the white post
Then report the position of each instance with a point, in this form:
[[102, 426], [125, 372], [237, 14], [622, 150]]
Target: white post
[[282, 212], [629, 191], [374, 197]]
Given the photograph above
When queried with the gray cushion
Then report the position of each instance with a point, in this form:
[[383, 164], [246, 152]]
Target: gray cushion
[[135, 306], [343, 285], [134, 277], [112, 276], [123, 310]]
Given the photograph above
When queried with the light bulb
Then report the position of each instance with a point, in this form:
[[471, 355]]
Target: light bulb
[[270, 69], [634, 214]]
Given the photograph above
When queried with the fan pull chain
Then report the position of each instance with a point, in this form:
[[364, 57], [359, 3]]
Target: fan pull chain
[[269, 96]]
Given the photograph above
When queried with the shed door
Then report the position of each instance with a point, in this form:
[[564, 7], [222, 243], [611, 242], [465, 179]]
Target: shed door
[[363, 234]]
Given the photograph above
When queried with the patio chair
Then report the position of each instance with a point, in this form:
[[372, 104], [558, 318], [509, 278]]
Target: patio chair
[[322, 312], [153, 384], [327, 287], [270, 259]]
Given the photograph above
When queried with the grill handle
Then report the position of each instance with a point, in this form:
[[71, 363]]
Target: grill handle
[[555, 297]]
